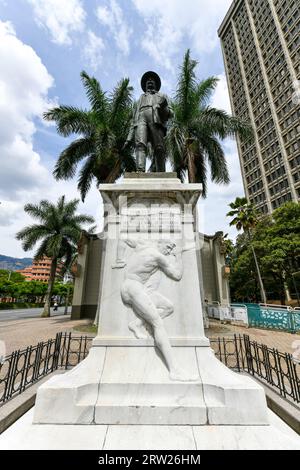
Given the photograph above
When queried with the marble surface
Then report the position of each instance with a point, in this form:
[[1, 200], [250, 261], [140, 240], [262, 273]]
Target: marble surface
[[132, 386], [71, 397], [229, 396], [23, 435], [163, 372], [130, 207]]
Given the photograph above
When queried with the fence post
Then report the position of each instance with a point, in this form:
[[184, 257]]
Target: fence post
[[292, 321], [68, 350], [292, 376], [248, 354], [237, 354], [25, 368], [37, 362], [62, 350], [10, 376], [56, 351], [278, 370]]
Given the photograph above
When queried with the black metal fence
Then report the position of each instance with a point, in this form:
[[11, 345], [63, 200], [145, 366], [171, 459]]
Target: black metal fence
[[274, 368], [24, 368]]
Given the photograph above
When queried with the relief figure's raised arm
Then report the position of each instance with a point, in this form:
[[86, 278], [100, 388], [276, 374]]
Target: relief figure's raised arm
[[121, 249], [171, 265]]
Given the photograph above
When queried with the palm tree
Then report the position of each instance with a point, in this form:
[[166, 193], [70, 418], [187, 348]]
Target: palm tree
[[58, 231], [245, 218], [102, 132], [195, 133]]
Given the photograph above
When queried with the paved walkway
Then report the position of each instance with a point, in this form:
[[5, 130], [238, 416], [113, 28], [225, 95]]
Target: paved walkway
[[274, 339], [19, 334]]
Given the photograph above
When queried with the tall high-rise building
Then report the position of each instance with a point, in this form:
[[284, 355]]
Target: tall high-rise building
[[261, 47]]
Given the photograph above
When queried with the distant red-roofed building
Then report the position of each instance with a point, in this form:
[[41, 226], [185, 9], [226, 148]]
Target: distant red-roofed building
[[40, 270]]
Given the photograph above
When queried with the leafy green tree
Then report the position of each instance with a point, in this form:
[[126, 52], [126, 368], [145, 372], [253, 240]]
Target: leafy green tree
[[102, 132], [243, 278], [276, 239], [58, 231], [280, 246], [245, 218], [197, 129], [11, 276]]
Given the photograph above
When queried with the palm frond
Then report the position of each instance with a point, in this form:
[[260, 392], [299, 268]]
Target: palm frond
[[83, 219], [71, 120], [205, 89], [202, 127], [68, 160], [217, 160], [43, 250], [37, 211], [185, 94], [97, 97], [121, 101], [60, 229], [86, 176], [31, 234], [201, 171], [176, 150], [240, 127], [70, 208], [54, 245]]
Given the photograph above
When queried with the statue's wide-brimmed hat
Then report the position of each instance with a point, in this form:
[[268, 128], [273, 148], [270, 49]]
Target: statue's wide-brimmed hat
[[152, 75]]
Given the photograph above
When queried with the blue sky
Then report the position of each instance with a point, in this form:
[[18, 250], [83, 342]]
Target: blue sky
[[44, 45]]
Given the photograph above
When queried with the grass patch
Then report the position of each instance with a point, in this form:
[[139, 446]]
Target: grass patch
[[84, 328]]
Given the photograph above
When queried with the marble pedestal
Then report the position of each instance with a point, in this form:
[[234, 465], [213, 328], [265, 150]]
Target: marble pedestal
[[23, 435], [125, 379], [131, 385]]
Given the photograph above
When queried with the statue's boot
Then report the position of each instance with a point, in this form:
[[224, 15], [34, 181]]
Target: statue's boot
[[160, 160], [140, 158]]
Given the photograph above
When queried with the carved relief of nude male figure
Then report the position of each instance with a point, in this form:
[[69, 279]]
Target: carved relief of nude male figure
[[139, 291]]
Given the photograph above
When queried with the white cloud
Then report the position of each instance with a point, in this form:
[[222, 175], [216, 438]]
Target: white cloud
[[24, 85], [213, 210], [220, 196], [61, 18], [221, 98], [13, 217], [8, 213], [93, 50], [169, 21], [161, 41], [112, 16]]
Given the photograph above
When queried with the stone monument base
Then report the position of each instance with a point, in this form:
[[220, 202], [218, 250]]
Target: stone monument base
[[23, 435], [128, 385]]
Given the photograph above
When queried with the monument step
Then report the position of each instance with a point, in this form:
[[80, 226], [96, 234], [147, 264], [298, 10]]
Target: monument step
[[148, 415]]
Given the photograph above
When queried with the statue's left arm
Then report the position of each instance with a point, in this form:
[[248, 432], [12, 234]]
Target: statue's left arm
[[165, 108], [171, 114]]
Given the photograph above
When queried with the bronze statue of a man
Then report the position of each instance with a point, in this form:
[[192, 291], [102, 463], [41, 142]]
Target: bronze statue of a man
[[149, 124]]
